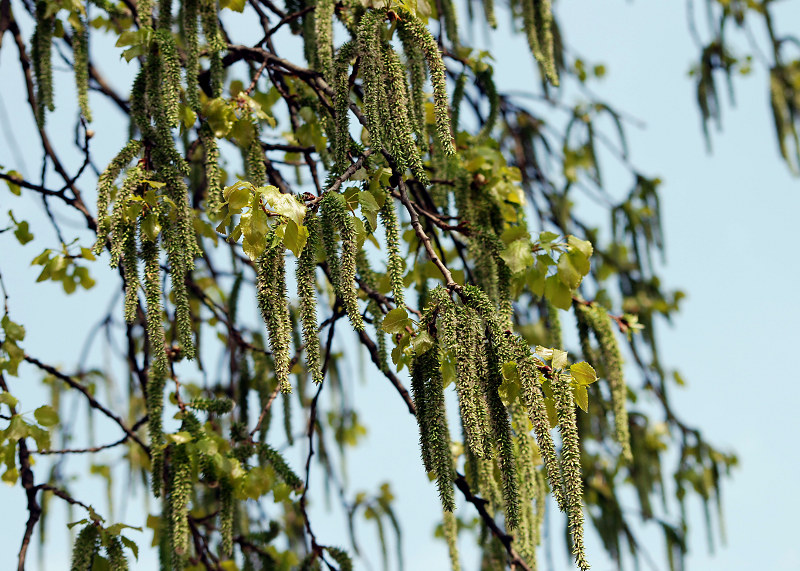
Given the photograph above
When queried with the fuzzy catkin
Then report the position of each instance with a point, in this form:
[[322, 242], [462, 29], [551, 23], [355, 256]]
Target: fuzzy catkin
[[370, 50], [192, 49], [226, 513], [343, 270], [42, 61], [570, 465], [115, 555], [341, 105], [612, 358], [159, 364], [395, 263], [323, 29], [170, 76], [418, 34], [533, 398], [180, 490], [80, 53], [86, 545], [214, 197], [105, 186], [450, 528], [271, 295], [216, 44], [401, 141], [306, 290]]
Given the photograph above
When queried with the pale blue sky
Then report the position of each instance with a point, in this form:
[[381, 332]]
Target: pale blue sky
[[730, 229]]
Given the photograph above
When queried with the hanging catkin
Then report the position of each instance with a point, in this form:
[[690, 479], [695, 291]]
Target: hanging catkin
[[80, 53], [395, 263], [570, 465], [42, 61], [306, 289], [271, 294], [343, 269]]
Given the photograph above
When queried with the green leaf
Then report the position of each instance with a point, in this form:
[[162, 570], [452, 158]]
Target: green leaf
[[517, 255], [14, 331], [583, 373], [558, 294], [396, 321], [46, 416], [284, 204], [238, 195], [559, 359], [23, 233], [130, 544], [581, 397], [181, 437], [583, 246], [295, 237], [9, 399], [568, 273], [422, 342], [12, 186]]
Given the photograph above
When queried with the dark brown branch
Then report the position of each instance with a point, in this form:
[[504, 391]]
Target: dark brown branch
[[92, 401]]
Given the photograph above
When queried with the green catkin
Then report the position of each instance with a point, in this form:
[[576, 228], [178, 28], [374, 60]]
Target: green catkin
[[612, 358], [501, 430], [226, 512], [540, 504], [86, 545], [115, 555], [105, 187], [214, 197], [80, 53], [526, 534], [402, 143], [553, 326], [370, 30], [415, 62], [486, 79], [341, 557], [268, 454], [395, 264], [341, 105], [498, 352], [570, 465], [216, 44], [450, 528], [181, 246], [450, 21], [544, 14], [170, 76], [437, 433], [192, 48], [145, 10], [256, 168], [334, 214], [130, 264], [287, 418], [121, 224], [533, 398], [537, 20], [180, 490], [455, 104], [471, 402], [323, 30], [306, 290], [271, 294], [159, 364], [420, 36], [42, 61], [418, 374], [488, 11]]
